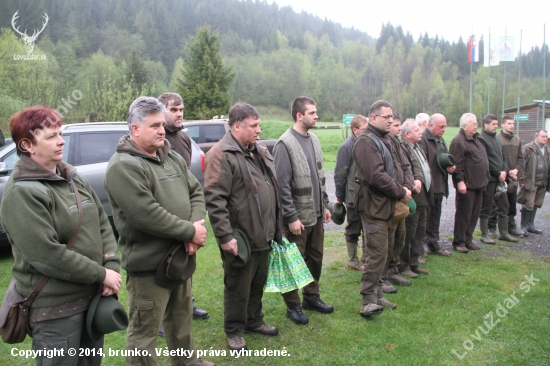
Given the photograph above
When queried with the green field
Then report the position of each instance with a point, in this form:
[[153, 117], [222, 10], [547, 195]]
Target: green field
[[444, 311]]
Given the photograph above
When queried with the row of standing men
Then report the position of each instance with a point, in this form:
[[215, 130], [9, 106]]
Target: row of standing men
[[487, 169]]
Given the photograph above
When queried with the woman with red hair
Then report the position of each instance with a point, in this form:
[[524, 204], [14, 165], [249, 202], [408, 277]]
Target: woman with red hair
[[40, 215]]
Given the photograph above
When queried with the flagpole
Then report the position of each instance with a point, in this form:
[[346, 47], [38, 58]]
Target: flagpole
[[489, 76], [471, 63], [471, 45], [504, 81], [544, 78], [519, 79]]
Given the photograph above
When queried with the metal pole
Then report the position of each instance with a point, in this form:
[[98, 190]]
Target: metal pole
[[519, 80], [544, 78], [504, 83], [471, 63], [489, 76]]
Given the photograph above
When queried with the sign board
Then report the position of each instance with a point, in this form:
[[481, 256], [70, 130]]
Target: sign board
[[522, 117], [348, 118]]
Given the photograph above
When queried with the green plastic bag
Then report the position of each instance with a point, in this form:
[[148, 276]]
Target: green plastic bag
[[287, 270]]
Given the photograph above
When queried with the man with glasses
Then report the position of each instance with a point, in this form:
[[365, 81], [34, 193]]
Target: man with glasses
[[344, 180], [469, 179], [384, 186]]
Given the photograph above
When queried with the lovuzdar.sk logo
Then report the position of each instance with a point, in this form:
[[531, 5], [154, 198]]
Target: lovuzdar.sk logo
[[29, 41]]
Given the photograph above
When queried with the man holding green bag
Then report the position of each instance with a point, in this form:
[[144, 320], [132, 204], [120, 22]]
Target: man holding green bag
[[242, 199], [299, 162]]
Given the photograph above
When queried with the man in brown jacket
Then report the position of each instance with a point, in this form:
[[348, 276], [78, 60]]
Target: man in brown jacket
[[432, 141], [241, 193], [382, 186], [469, 179]]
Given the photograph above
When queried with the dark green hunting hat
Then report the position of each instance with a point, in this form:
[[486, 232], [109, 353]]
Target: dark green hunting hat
[[444, 160], [243, 251], [105, 315]]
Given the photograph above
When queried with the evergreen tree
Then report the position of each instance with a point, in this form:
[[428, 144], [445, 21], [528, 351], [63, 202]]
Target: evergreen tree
[[204, 86]]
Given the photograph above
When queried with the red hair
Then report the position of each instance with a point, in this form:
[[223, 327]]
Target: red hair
[[28, 123]]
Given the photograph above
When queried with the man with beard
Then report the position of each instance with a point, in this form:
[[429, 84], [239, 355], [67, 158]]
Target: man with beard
[[180, 142], [299, 164]]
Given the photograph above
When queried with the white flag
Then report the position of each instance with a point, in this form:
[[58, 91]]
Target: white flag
[[490, 51], [506, 48]]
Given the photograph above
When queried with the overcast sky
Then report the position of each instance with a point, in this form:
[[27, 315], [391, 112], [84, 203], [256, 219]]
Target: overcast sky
[[448, 20]]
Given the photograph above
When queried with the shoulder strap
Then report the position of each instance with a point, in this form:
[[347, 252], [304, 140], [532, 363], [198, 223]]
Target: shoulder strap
[[40, 285]]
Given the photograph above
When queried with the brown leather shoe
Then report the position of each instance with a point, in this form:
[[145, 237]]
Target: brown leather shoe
[[388, 288], [395, 277], [264, 329], [472, 246], [419, 270], [461, 248], [421, 260], [408, 273], [236, 343], [386, 303], [370, 309], [356, 266], [440, 252]]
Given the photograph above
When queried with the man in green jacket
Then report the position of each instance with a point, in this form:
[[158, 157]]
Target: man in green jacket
[[156, 202], [299, 162], [242, 194]]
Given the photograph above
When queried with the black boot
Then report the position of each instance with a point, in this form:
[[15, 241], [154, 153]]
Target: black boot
[[531, 224]]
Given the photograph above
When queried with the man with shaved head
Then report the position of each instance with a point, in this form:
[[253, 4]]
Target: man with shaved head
[[432, 141]]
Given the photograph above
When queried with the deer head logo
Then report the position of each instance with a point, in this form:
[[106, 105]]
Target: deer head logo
[[29, 40]]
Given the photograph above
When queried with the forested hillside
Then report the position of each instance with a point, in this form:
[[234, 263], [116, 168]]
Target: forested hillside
[[113, 51]]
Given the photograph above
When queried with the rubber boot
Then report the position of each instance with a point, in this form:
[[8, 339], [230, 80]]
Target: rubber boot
[[503, 230], [513, 229], [484, 227], [353, 262], [531, 224], [525, 221]]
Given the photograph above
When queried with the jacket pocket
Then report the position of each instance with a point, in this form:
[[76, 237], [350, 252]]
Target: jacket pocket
[[379, 207], [169, 177]]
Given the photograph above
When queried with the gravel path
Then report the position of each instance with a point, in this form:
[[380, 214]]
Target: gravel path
[[536, 244]]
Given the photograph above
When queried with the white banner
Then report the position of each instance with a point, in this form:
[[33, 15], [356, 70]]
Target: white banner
[[490, 51]]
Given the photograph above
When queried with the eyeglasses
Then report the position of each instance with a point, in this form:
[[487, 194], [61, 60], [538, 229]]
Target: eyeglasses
[[389, 116]]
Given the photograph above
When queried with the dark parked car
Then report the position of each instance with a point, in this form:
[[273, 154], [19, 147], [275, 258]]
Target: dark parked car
[[88, 147]]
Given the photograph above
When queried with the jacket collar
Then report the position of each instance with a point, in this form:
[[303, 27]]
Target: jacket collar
[[173, 130], [229, 143], [378, 132], [28, 169], [507, 136], [127, 145], [468, 137]]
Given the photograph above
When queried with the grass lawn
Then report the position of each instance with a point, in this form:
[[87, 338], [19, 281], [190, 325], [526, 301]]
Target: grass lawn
[[447, 310]]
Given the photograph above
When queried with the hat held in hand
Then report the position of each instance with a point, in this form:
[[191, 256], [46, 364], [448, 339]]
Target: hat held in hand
[[105, 315], [444, 160], [337, 212]]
